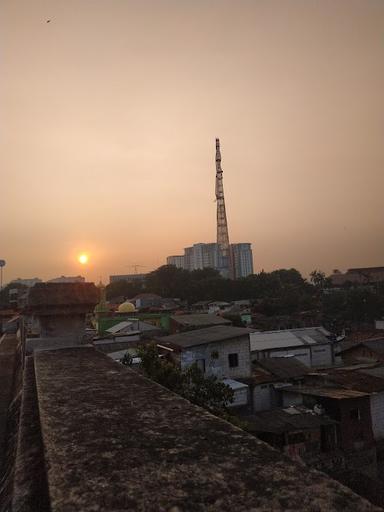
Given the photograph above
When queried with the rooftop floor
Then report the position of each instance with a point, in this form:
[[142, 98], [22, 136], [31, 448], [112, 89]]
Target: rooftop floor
[[114, 440]]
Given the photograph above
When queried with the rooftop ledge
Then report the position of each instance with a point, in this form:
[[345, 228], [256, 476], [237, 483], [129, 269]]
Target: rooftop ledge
[[114, 440]]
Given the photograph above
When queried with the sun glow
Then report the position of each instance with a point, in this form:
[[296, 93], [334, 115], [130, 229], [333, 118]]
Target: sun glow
[[83, 259]]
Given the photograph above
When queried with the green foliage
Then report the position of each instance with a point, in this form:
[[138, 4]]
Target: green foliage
[[207, 392], [352, 306], [319, 280], [123, 289], [169, 281], [160, 370]]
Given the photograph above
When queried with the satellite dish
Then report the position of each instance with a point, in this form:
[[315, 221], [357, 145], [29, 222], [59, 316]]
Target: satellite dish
[[2, 263]]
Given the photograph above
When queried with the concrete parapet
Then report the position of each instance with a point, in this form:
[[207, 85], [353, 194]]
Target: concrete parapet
[[30, 490], [113, 440]]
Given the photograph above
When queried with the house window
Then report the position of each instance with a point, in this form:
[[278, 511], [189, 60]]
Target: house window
[[201, 364], [354, 414], [233, 360]]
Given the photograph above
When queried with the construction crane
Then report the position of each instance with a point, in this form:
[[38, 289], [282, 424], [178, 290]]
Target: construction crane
[[225, 254], [135, 267]]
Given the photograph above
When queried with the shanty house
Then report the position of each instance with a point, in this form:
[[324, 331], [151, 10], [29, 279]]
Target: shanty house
[[269, 376], [351, 409], [297, 431], [221, 350], [364, 379]]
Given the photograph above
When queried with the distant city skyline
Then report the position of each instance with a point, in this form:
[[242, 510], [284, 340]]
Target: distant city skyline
[[111, 110]]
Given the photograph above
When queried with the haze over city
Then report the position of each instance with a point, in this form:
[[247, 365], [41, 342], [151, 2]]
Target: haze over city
[[110, 112]]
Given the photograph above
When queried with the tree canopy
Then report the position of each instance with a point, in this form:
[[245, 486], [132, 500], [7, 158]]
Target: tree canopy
[[282, 292]]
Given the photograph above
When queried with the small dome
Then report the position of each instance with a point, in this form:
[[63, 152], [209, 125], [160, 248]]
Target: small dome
[[126, 307]]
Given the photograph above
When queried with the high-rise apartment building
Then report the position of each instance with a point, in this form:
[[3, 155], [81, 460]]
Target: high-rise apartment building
[[178, 261], [208, 256], [242, 259]]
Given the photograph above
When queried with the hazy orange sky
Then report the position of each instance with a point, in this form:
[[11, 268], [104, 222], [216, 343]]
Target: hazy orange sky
[[109, 115]]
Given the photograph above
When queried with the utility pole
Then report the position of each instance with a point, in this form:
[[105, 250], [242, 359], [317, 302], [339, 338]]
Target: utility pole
[[2, 264], [225, 256]]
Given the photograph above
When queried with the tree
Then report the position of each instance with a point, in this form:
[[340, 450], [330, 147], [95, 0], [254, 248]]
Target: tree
[[123, 288], [207, 392], [318, 279], [169, 281]]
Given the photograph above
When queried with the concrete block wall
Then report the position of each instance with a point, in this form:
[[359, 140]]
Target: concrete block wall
[[220, 366]]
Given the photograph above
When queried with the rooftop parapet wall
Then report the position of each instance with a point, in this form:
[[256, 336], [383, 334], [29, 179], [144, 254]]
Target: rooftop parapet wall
[[46, 299], [114, 440]]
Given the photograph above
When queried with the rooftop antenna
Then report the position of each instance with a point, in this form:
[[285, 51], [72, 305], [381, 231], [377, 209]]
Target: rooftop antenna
[[225, 256]]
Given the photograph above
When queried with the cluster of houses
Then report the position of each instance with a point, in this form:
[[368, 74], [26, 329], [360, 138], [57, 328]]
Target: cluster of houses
[[296, 389], [304, 391]]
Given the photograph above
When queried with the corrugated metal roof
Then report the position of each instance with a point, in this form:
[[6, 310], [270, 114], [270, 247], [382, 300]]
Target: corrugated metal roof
[[375, 345], [200, 320], [376, 372], [204, 336], [287, 420], [124, 326], [269, 340], [336, 393], [288, 338], [119, 327], [357, 380], [234, 384], [283, 368]]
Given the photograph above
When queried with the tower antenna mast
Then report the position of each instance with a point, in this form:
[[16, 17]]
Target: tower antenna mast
[[225, 256]]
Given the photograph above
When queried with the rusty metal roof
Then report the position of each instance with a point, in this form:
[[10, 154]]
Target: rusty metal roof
[[328, 392], [287, 420], [283, 367]]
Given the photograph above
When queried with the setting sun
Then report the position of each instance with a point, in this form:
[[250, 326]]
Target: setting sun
[[83, 259]]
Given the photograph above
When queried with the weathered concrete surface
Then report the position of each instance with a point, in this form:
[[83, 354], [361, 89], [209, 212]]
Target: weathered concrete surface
[[8, 359], [116, 441], [10, 393], [30, 492]]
